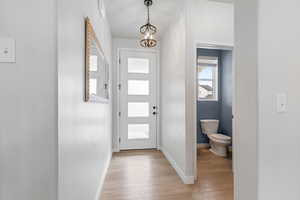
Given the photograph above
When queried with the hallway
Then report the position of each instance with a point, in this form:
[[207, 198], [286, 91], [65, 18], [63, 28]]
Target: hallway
[[147, 175]]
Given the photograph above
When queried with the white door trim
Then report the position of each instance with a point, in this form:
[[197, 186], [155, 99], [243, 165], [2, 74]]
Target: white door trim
[[119, 50], [199, 44]]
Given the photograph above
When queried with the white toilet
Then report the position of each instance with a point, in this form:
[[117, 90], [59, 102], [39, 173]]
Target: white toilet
[[218, 142]]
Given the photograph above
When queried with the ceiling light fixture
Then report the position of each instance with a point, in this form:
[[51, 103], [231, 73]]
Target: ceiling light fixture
[[148, 30]]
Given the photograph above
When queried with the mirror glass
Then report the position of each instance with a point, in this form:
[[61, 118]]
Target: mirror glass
[[96, 70]]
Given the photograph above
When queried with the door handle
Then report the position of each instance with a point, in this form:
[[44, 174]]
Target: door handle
[[154, 113]]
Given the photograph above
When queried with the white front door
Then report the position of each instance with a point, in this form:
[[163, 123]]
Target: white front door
[[137, 99]]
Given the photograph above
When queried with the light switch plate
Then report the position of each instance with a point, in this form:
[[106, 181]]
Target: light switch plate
[[281, 103], [7, 50]]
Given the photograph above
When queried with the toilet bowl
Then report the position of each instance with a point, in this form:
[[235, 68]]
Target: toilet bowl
[[218, 142]]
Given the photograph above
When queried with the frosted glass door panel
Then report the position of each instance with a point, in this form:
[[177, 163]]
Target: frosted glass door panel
[[138, 131], [138, 65], [138, 109], [138, 87]]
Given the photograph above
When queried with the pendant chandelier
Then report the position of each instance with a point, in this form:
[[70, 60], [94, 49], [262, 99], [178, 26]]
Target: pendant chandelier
[[148, 30]]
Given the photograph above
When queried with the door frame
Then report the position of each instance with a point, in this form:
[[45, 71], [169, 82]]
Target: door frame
[[218, 46], [156, 52]]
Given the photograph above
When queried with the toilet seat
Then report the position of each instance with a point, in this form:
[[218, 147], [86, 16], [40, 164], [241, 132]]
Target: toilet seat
[[220, 137]]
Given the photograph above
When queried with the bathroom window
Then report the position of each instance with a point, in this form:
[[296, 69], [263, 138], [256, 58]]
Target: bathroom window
[[207, 73]]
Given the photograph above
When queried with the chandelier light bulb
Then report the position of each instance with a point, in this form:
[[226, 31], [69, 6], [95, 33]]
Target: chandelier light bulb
[[147, 35]]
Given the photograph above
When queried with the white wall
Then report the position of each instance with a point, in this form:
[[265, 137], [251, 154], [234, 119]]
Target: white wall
[[278, 72], [84, 128], [211, 22], [172, 95], [208, 22], [28, 105], [246, 100], [267, 41], [119, 43]]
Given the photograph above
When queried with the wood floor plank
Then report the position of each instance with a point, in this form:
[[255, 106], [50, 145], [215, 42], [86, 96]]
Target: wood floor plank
[[147, 175]]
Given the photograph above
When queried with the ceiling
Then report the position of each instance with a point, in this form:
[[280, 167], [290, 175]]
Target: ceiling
[[126, 16]]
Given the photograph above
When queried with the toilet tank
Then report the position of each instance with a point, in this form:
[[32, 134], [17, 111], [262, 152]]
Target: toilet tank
[[209, 126]]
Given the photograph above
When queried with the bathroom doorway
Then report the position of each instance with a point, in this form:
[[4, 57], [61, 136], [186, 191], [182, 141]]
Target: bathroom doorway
[[215, 86]]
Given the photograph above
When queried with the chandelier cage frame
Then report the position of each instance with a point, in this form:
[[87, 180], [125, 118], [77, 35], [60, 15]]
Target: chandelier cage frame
[[148, 30]]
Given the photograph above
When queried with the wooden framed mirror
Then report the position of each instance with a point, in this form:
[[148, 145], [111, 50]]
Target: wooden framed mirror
[[96, 68]]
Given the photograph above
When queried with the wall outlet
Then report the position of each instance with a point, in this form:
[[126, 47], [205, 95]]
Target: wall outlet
[[7, 50]]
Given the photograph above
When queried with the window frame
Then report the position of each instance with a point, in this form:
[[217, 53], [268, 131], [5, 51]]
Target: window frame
[[214, 81]]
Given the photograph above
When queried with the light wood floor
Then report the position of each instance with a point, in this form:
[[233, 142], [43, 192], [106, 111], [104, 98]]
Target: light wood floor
[[147, 175]]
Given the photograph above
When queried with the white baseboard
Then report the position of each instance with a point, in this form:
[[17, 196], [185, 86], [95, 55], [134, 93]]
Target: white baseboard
[[116, 150], [102, 179], [203, 146], [185, 179]]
